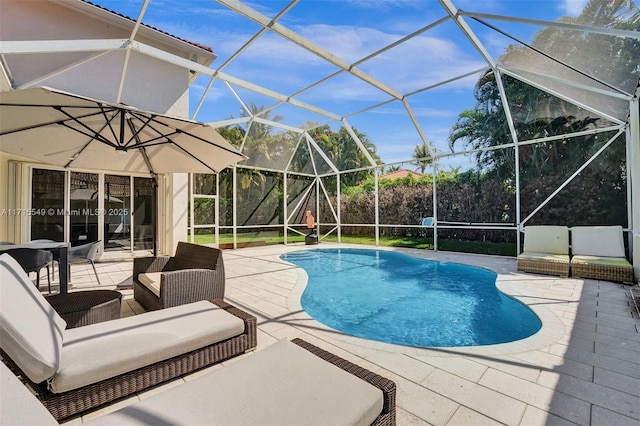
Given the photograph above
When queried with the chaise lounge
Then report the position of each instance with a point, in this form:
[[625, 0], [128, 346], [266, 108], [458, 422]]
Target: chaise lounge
[[75, 370], [288, 383], [598, 253], [545, 251], [194, 273]]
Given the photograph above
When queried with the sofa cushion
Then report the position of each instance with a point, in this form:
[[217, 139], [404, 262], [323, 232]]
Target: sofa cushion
[[19, 405], [605, 261], [151, 280], [601, 241], [283, 384], [546, 239], [99, 351], [30, 329], [544, 256]]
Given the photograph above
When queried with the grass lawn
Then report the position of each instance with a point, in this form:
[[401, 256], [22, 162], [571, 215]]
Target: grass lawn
[[500, 249]]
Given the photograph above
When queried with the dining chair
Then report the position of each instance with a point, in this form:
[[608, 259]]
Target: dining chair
[[55, 252], [33, 260], [85, 253]]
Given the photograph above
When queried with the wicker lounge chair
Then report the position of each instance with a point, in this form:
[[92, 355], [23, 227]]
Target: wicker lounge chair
[[75, 370], [598, 253], [194, 273], [287, 383], [546, 250]]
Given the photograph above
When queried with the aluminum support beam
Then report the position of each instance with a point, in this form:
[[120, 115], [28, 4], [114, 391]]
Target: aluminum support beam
[[377, 207], [567, 26], [60, 46], [634, 184], [321, 153], [514, 138], [355, 137], [293, 37], [285, 201], [570, 178], [467, 31], [423, 138]]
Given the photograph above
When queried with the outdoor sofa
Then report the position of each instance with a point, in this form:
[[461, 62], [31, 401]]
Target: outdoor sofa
[[288, 383], [74, 370], [545, 251], [598, 253], [194, 273]]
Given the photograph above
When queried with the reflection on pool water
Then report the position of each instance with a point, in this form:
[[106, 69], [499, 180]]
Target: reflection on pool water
[[395, 298]]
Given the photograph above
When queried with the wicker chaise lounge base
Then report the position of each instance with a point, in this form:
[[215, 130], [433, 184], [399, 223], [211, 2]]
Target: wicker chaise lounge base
[[76, 401], [544, 266], [618, 273]]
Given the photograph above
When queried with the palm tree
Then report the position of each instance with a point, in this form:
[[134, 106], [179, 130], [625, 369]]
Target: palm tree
[[422, 156], [344, 153]]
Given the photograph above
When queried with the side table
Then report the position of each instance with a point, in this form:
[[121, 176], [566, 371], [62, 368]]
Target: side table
[[87, 307]]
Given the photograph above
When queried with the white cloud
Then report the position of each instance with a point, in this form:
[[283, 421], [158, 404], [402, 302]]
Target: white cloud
[[573, 7]]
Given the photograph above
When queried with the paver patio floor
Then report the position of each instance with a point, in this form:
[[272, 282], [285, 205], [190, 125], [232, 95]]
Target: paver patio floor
[[582, 367]]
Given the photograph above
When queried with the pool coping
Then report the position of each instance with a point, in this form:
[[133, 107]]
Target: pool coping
[[508, 281]]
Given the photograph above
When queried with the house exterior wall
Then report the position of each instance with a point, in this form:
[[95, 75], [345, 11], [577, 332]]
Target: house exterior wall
[[148, 83]]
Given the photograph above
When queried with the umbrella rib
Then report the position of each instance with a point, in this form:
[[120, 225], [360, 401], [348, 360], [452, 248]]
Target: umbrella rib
[[45, 124], [146, 123], [233, 151], [92, 133], [108, 120], [180, 131], [195, 158], [143, 152], [177, 131]]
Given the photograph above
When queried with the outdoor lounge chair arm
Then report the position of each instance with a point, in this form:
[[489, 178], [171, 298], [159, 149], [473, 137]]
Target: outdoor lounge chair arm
[[149, 264], [190, 285]]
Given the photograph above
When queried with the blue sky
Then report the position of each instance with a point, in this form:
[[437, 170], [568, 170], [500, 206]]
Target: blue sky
[[350, 30]]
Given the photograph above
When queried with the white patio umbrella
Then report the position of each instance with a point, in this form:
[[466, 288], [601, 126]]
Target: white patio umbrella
[[69, 130]]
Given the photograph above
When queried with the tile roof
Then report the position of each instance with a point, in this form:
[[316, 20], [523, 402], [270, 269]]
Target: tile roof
[[403, 173]]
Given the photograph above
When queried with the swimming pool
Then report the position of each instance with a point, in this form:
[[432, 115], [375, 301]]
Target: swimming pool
[[395, 298]]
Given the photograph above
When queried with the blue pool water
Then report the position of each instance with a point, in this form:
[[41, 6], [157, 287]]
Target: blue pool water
[[395, 298]]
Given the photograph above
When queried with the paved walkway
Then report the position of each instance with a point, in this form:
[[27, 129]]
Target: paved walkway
[[581, 368]]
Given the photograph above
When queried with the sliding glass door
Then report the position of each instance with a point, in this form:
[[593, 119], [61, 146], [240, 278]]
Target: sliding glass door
[[84, 216], [117, 193], [47, 205], [143, 213], [82, 207]]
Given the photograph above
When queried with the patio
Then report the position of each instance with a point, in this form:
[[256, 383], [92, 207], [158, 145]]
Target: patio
[[581, 368]]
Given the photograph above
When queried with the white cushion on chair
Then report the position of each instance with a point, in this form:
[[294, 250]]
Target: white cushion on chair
[[549, 239], [599, 241], [151, 280], [99, 351], [283, 384], [30, 329]]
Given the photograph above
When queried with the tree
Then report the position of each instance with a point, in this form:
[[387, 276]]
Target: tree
[[344, 153], [422, 156], [537, 114]]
